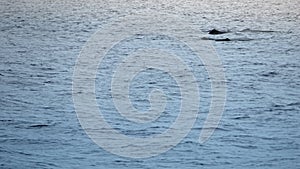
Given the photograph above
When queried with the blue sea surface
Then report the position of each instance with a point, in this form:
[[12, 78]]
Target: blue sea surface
[[41, 40]]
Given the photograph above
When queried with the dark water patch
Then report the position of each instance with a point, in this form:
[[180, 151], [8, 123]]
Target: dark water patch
[[227, 39], [5, 120], [47, 68], [259, 63], [246, 146], [33, 64], [270, 74], [22, 124], [49, 82], [22, 51], [39, 125]]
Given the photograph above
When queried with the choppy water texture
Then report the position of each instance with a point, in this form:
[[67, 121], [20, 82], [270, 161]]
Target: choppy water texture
[[40, 41]]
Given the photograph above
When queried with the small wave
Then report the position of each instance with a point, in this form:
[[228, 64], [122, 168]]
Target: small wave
[[289, 65], [256, 30], [285, 107], [218, 128], [241, 117], [294, 104], [14, 123]]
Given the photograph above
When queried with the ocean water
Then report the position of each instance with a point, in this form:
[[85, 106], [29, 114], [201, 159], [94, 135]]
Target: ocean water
[[41, 40]]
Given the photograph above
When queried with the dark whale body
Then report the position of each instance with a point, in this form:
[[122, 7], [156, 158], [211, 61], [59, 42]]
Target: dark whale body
[[226, 39], [216, 32]]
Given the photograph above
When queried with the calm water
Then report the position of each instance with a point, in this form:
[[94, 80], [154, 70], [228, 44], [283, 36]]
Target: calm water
[[40, 41]]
